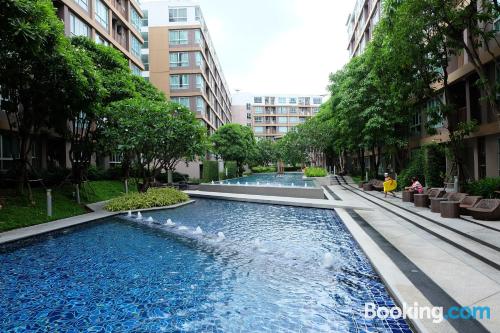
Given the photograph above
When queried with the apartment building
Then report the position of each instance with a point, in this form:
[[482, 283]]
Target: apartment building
[[115, 23], [180, 60], [361, 24], [482, 148], [272, 116]]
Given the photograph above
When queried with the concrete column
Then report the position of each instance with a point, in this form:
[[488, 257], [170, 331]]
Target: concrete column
[[68, 148], [476, 158]]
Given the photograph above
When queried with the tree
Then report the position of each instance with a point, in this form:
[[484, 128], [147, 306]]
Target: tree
[[152, 135], [234, 142], [36, 73], [265, 152], [292, 148]]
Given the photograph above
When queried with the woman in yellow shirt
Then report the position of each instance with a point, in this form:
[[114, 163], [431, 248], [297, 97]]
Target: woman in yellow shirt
[[389, 185]]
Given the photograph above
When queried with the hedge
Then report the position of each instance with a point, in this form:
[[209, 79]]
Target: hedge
[[210, 170], [232, 169], [154, 197], [484, 187], [414, 169], [262, 169], [315, 172]]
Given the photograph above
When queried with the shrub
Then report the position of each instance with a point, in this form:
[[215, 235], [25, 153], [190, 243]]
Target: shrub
[[315, 172], [54, 176], [484, 187], [232, 169], [154, 197], [210, 170], [94, 173], [435, 165], [261, 169], [414, 169]]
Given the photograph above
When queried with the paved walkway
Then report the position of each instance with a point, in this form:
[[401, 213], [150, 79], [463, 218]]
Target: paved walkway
[[461, 257]]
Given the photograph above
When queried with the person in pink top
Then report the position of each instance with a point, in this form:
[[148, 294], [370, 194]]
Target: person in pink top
[[415, 186]]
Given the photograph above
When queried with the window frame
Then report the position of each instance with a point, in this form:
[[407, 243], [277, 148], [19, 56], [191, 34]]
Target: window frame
[[104, 21], [177, 18], [177, 59], [179, 40], [183, 81], [73, 21]]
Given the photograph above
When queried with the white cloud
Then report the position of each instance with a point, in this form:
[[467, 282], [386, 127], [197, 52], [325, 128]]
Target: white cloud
[[300, 59]]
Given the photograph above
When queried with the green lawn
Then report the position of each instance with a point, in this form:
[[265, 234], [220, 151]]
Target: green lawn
[[17, 212]]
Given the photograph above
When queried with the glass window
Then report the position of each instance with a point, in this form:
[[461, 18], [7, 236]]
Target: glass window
[[259, 119], [257, 100], [145, 61], [317, 100], [282, 110], [177, 15], [145, 20], [282, 129], [292, 110], [77, 27], [281, 100], [182, 100], [9, 149], [178, 37], [179, 59], [179, 81], [197, 14], [416, 121], [259, 129], [135, 19], [199, 59], [315, 110], [102, 13], [259, 109], [83, 3], [200, 104], [435, 104], [282, 120], [294, 120], [100, 40], [135, 69], [199, 81], [292, 100], [198, 38], [145, 36], [135, 47]]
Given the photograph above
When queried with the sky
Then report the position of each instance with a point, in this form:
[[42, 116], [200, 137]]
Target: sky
[[278, 46]]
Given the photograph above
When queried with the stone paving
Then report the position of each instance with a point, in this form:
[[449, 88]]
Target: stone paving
[[461, 257]]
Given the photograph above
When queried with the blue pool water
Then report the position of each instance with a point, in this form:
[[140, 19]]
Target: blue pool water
[[118, 275], [272, 179]]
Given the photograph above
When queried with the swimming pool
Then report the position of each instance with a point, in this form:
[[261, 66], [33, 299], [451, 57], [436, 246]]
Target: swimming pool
[[117, 275], [272, 179]]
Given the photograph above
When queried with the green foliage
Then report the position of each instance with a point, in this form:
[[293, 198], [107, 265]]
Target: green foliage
[[234, 142], [176, 177], [265, 152], [210, 171], [232, 169], [315, 172], [154, 197], [435, 165], [293, 147], [263, 169], [414, 169], [18, 212], [484, 187]]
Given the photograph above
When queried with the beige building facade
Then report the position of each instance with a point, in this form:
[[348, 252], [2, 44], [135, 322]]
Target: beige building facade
[[272, 116], [181, 61]]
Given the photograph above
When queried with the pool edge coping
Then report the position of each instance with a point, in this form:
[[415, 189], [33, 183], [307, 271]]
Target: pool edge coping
[[391, 275], [72, 221]]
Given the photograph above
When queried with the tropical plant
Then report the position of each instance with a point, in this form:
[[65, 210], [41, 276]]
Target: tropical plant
[[234, 142], [153, 197]]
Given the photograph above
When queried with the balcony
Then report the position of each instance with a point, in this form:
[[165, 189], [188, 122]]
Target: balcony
[[120, 34], [121, 7]]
